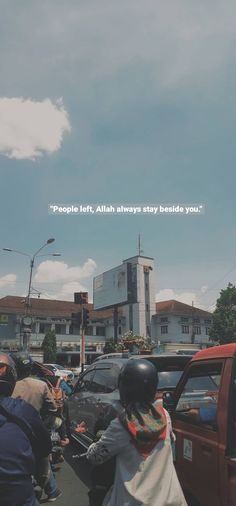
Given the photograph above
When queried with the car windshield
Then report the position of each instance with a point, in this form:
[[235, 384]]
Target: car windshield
[[168, 379], [59, 367]]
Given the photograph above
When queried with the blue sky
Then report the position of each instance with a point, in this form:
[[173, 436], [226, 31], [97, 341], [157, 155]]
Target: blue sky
[[118, 102]]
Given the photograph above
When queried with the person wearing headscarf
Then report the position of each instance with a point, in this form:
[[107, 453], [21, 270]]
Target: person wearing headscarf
[[140, 438]]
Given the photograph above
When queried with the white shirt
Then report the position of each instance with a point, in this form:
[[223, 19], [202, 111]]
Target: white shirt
[[138, 481]]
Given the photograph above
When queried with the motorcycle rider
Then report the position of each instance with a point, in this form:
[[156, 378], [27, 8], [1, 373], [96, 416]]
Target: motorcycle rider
[[140, 439], [18, 457], [37, 393], [32, 390]]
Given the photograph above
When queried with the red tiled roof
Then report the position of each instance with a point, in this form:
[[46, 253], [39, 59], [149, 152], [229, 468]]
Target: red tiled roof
[[47, 307], [179, 308]]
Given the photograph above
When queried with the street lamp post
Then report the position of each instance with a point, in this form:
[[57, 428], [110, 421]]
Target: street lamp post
[[49, 241], [32, 260]]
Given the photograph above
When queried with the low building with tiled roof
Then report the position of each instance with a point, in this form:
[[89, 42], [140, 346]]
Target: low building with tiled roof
[[48, 307], [177, 322], [174, 321], [54, 315], [128, 294]]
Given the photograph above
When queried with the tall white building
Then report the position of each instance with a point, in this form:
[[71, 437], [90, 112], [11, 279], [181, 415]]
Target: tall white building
[[138, 315], [124, 301]]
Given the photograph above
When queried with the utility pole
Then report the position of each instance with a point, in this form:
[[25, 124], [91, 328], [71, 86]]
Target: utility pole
[[115, 320], [27, 318], [81, 298], [84, 324], [82, 348], [193, 333]]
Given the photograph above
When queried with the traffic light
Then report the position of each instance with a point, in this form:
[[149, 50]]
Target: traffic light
[[76, 319], [85, 317], [81, 298]]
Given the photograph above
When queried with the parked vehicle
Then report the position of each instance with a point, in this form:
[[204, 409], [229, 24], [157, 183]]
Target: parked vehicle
[[113, 355], [187, 351], [96, 401], [59, 370], [78, 369], [204, 421], [170, 369]]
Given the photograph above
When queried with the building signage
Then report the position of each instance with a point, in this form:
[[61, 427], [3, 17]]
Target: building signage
[[115, 287]]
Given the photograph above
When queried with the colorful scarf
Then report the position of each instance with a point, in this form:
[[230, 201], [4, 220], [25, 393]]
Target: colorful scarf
[[146, 424]]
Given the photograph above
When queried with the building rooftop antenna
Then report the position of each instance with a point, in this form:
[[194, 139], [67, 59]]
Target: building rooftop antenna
[[140, 251]]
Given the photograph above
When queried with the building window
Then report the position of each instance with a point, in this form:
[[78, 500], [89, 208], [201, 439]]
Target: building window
[[207, 331], [41, 328], [164, 329], [60, 329], [71, 329], [208, 322], [119, 331], [100, 331], [196, 320], [147, 307], [164, 319], [185, 329], [89, 330], [197, 329], [184, 319]]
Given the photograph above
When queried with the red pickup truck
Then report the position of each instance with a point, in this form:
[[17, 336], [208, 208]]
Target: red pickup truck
[[204, 421]]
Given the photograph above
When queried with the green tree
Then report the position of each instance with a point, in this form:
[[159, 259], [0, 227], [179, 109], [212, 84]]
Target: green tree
[[224, 316], [49, 347]]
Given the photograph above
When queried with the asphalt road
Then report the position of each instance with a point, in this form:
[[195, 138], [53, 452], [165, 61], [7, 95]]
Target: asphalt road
[[73, 478]]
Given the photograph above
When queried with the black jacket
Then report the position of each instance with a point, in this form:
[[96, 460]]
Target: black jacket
[[17, 458]]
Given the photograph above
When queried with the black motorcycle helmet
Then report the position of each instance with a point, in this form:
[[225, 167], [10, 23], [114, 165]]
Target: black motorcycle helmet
[[138, 381], [8, 375], [23, 363]]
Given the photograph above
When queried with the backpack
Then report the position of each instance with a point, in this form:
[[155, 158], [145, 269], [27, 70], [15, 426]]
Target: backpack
[[57, 393]]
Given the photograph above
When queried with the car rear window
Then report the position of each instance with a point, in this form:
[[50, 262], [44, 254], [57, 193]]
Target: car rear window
[[172, 363], [169, 369], [168, 379], [105, 379]]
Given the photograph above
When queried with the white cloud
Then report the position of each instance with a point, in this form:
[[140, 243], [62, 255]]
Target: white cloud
[[69, 278], [67, 291], [52, 272], [185, 297], [184, 42], [29, 128], [8, 279], [176, 45]]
